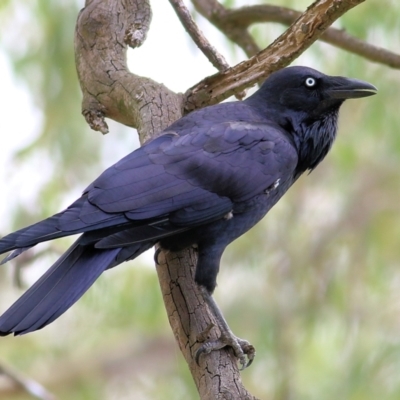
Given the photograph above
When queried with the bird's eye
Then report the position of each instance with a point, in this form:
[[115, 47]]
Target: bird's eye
[[310, 82]]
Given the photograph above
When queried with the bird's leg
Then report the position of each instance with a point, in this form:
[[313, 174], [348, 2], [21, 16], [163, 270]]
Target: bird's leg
[[241, 348]]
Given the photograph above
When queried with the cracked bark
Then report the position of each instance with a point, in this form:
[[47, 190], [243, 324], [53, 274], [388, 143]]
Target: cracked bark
[[110, 90], [104, 30]]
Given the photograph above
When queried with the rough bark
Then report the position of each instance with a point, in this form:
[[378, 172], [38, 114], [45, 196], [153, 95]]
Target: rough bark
[[110, 90], [217, 376], [104, 30]]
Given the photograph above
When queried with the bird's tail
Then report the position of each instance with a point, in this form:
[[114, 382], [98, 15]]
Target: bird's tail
[[64, 223], [25, 238], [58, 289]]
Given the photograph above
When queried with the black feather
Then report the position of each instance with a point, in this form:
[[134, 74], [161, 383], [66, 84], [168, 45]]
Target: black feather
[[206, 180]]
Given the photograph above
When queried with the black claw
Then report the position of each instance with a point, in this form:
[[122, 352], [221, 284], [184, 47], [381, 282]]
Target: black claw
[[199, 352], [208, 347], [156, 254], [249, 351], [249, 363], [241, 349]]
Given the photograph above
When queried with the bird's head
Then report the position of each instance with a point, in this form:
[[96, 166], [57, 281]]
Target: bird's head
[[305, 103], [310, 92]]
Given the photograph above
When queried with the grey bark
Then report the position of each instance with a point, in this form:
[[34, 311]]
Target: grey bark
[[110, 90]]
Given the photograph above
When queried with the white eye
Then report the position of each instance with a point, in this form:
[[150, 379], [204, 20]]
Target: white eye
[[310, 82]]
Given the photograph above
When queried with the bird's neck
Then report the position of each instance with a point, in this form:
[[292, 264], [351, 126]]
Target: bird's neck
[[314, 139], [311, 133]]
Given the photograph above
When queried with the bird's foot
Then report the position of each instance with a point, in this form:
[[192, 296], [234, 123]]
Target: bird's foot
[[242, 349]]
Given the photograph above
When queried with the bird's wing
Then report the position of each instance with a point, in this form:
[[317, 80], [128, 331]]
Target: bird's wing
[[171, 183], [204, 172]]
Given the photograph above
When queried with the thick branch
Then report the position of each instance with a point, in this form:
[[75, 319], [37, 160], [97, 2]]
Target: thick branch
[[104, 29], [235, 22], [218, 376], [246, 16], [295, 40]]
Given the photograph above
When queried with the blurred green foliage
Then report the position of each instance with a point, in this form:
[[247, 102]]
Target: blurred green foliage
[[38, 37], [315, 286]]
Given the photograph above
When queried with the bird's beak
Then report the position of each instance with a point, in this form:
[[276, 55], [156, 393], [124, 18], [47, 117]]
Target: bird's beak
[[346, 88]]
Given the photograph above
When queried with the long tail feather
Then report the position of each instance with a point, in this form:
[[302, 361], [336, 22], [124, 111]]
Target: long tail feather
[[80, 216], [57, 290], [31, 235], [14, 254]]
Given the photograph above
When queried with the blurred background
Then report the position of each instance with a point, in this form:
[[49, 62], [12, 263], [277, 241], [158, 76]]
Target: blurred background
[[315, 287]]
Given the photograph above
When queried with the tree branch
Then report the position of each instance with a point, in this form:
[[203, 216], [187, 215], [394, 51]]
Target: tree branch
[[216, 13], [234, 22], [295, 40], [216, 59], [201, 41], [28, 385], [104, 30]]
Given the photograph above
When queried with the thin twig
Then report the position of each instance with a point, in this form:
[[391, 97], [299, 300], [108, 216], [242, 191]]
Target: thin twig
[[28, 385], [196, 34], [345, 41], [25, 258], [216, 13], [201, 41]]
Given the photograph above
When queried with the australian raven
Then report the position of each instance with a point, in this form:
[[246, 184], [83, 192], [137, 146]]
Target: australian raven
[[205, 181]]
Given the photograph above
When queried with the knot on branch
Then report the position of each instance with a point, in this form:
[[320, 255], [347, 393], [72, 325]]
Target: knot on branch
[[104, 30], [136, 35], [139, 23], [96, 121]]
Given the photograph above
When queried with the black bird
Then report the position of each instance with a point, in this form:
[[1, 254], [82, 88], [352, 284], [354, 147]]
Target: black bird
[[205, 181]]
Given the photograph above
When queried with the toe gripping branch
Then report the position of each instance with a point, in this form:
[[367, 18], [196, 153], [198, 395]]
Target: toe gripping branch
[[242, 349]]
